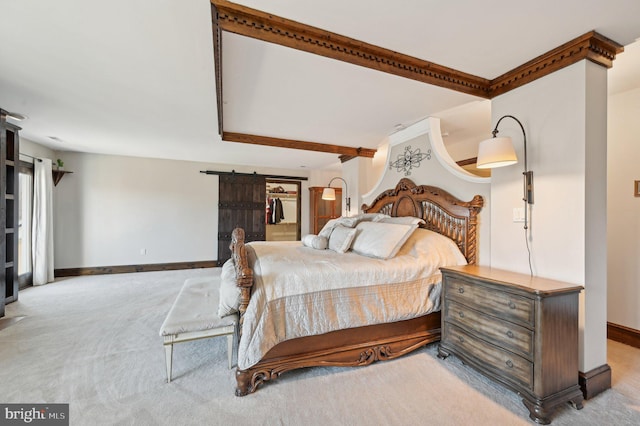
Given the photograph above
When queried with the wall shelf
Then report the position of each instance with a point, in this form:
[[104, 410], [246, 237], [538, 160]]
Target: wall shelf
[[57, 175], [283, 195]]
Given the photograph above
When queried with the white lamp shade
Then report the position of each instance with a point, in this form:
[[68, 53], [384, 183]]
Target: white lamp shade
[[496, 152], [328, 194]]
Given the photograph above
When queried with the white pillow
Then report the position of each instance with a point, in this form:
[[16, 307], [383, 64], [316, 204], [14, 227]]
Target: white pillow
[[350, 222], [341, 238], [371, 217], [426, 244], [315, 241], [379, 217], [381, 240], [229, 291], [328, 228], [403, 220]]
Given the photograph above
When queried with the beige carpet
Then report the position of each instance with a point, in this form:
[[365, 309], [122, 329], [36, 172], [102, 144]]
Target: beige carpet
[[93, 342]]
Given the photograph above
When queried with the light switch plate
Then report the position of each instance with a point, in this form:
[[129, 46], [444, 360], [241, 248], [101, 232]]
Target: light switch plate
[[518, 214]]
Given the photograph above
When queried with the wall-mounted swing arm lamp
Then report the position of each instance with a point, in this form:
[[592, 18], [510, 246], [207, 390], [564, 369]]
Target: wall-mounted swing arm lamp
[[499, 152], [329, 193]]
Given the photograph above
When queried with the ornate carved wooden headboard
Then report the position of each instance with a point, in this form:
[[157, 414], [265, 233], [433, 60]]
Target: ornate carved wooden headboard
[[442, 212]]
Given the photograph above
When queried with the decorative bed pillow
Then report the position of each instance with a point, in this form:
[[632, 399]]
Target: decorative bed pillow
[[328, 228], [353, 221], [377, 217], [315, 241], [350, 222], [381, 240], [371, 217], [341, 238], [403, 220], [229, 291]]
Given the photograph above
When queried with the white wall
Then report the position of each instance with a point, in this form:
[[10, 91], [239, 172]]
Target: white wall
[[564, 116], [33, 149], [112, 207], [623, 226], [357, 172]]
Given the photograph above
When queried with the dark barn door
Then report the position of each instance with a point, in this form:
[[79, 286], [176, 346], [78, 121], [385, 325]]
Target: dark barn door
[[241, 203]]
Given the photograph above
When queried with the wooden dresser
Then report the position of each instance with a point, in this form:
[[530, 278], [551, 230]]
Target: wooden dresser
[[518, 330], [322, 211]]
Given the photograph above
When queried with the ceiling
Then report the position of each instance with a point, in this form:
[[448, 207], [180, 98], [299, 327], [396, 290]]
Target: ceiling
[[136, 77]]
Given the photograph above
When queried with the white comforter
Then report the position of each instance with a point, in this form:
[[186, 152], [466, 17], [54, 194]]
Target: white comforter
[[299, 291]]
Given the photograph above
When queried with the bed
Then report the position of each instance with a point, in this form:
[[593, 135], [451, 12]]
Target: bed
[[305, 337]]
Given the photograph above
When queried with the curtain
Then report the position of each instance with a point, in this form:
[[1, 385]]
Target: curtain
[[42, 235]]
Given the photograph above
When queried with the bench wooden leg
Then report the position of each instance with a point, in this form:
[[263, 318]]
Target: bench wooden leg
[[168, 359], [230, 349]]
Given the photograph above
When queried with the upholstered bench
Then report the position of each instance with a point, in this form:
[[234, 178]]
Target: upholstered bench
[[194, 315]]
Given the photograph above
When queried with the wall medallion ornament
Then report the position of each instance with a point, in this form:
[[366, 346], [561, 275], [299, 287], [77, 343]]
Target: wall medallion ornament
[[409, 160]]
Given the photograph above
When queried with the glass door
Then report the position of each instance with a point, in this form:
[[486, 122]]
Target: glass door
[[25, 275]]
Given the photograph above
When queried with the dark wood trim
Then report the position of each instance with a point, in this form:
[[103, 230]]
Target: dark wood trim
[[234, 173], [274, 29], [123, 269], [622, 334], [217, 63], [263, 26], [592, 46], [293, 144], [467, 162], [595, 381], [345, 158]]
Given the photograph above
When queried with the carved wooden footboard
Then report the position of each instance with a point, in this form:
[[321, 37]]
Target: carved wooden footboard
[[443, 213], [244, 274]]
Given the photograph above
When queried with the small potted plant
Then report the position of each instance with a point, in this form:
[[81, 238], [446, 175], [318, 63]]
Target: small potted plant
[[60, 164]]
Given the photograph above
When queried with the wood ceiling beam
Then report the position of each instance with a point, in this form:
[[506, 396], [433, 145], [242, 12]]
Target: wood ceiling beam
[[217, 63], [592, 46], [234, 18], [294, 144], [256, 24]]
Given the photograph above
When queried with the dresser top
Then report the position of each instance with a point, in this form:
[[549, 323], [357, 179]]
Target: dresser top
[[526, 282]]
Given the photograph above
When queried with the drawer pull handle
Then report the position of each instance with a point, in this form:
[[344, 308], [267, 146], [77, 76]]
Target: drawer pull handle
[[461, 339], [510, 334], [512, 305], [461, 290], [509, 364], [461, 314]]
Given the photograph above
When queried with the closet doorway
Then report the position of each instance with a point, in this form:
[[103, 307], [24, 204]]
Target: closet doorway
[[283, 210]]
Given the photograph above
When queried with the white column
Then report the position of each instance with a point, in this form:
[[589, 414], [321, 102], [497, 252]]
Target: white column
[[564, 115]]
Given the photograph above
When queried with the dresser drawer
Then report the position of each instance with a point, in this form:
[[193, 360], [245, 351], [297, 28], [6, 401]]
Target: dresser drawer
[[507, 365], [501, 333], [490, 301]]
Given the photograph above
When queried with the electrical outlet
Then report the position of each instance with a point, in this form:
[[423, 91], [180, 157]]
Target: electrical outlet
[[518, 214]]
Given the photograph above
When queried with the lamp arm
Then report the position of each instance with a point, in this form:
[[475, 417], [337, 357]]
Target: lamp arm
[[346, 192], [528, 175], [528, 182], [337, 177]]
